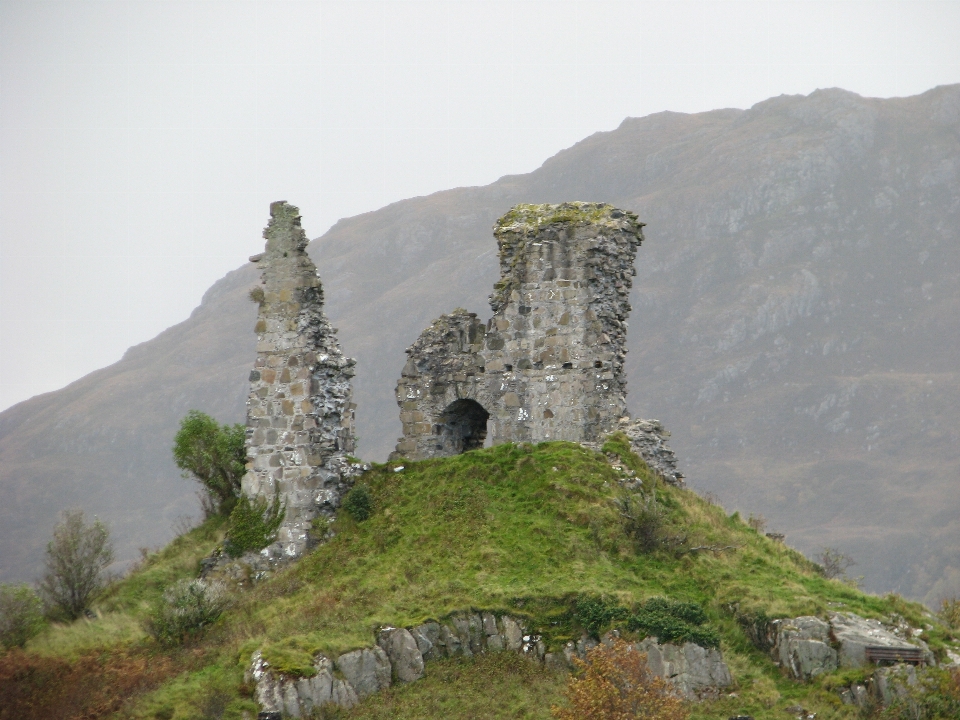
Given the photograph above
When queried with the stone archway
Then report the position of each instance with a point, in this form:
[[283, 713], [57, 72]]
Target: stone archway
[[462, 426]]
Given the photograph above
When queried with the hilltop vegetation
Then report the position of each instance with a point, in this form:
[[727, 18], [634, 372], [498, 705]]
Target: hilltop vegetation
[[539, 532]]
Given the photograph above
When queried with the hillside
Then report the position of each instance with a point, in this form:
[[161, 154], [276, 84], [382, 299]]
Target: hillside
[[529, 530], [794, 326]]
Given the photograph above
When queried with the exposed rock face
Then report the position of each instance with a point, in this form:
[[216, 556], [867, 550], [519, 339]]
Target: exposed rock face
[[802, 646], [299, 412], [855, 634], [549, 364], [808, 646], [400, 654], [696, 672]]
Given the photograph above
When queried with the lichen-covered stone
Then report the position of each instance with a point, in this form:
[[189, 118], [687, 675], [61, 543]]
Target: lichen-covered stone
[[300, 412], [404, 653], [549, 364]]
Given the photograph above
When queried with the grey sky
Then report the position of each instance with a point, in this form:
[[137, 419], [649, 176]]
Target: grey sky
[[141, 141]]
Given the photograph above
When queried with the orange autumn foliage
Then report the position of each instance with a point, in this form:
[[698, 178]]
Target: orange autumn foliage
[[614, 683]]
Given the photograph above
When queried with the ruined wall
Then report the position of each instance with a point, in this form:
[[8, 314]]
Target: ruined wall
[[549, 363], [299, 413]]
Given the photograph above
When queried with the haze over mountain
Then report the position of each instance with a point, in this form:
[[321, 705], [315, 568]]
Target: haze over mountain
[[795, 326]]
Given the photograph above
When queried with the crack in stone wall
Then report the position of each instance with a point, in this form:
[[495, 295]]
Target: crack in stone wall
[[549, 364], [300, 414]]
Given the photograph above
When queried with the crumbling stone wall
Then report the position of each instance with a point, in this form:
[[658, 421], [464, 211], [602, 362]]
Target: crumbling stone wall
[[300, 417], [549, 364]]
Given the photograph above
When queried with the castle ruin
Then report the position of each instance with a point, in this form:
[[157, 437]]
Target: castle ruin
[[300, 413], [549, 364]]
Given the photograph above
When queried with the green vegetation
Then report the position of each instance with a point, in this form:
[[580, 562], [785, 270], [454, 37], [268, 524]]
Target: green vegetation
[[76, 561], [21, 615], [534, 531], [253, 525], [358, 503], [524, 217], [214, 455]]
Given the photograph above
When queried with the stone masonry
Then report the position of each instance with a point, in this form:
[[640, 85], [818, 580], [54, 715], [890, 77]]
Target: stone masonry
[[549, 364], [299, 413]]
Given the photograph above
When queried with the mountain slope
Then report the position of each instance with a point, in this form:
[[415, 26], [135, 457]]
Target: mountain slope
[[795, 325]]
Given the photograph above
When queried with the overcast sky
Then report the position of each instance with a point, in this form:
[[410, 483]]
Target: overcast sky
[[141, 141]]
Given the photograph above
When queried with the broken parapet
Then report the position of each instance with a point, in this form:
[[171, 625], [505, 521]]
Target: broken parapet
[[549, 364], [300, 412], [648, 439]]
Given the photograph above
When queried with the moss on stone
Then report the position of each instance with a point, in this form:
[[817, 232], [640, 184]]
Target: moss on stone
[[526, 218]]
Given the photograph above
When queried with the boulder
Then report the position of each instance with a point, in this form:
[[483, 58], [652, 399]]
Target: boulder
[[367, 670], [404, 653], [427, 637], [802, 646]]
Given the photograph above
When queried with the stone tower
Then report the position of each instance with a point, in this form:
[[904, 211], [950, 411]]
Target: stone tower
[[549, 364], [299, 413]]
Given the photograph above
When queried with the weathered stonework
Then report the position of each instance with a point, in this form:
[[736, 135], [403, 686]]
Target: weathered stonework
[[299, 414], [549, 364]]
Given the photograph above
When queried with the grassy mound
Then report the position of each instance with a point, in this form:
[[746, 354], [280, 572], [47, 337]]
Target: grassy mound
[[546, 532]]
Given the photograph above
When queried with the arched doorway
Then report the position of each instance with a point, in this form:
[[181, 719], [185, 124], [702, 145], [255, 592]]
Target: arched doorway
[[462, 427]]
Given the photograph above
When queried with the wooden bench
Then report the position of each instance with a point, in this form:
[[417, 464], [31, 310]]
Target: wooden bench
[[885, 653]]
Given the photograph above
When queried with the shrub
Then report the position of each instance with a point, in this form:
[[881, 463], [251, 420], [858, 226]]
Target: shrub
[[186, 609], [834, 564], [358, 503], [21, 615], [950, 612], [614, 683], [77, 558], [673, 622], [215, 455], [594, 613], [253, 525]]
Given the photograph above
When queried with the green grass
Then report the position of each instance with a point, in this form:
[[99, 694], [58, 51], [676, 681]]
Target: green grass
[[519, 529]]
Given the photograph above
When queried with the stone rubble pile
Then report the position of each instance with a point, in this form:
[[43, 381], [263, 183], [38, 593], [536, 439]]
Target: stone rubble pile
[[400, 654]]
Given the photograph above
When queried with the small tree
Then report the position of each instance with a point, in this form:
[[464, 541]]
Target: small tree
[[76, 560], [834, 563], [614, 683], [21, 615], [215, 455]]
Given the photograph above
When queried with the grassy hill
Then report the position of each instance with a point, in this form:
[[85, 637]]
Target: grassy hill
[[530, 530]]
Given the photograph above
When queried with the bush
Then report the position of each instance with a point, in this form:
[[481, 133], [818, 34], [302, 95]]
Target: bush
[[358, 503], [186, 609], [645, 521], [253, 525], [950, 612], [595, 613], [674, 622], [21, 615], [614, 683], [215, 455], [77, 558]]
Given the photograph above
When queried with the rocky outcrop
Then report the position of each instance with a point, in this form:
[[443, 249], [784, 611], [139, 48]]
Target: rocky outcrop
[[803, 647], [809, 646], [300, 410], [855, 634], [549, 364], [400, 654]]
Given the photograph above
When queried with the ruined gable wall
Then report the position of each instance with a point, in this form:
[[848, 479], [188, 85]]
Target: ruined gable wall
[[549, 364], [300, 412]]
